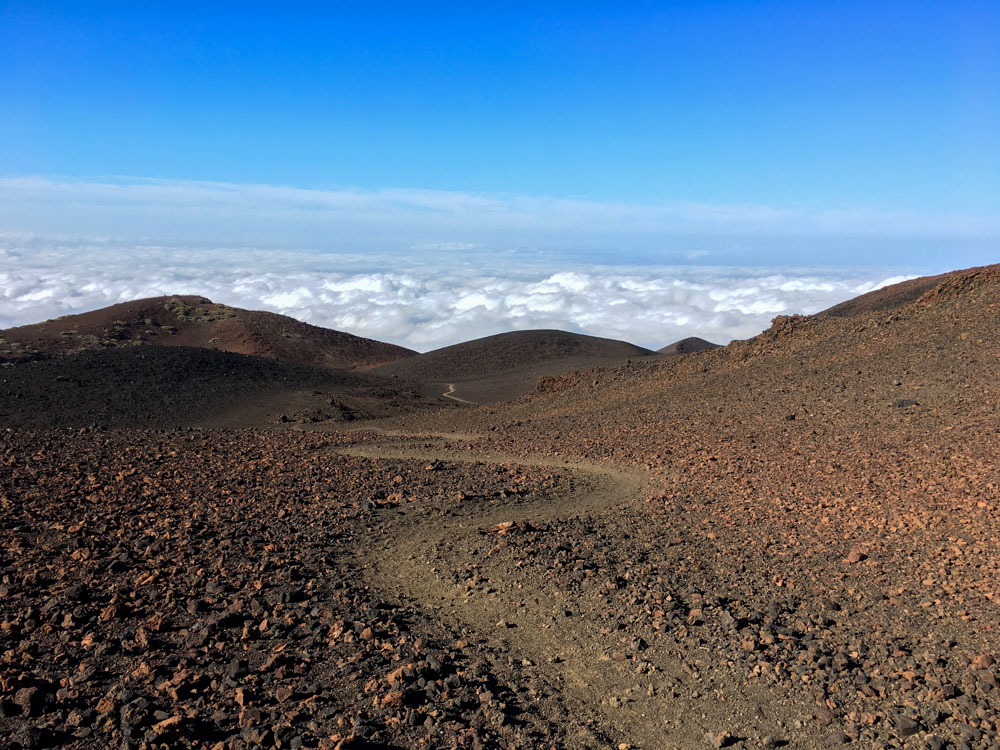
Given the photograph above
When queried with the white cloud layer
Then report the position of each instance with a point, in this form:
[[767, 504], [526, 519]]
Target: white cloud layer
[[431, 300], [427, 268]]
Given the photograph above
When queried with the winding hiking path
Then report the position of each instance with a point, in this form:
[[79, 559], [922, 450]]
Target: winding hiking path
[[451, 389], [423, 555]]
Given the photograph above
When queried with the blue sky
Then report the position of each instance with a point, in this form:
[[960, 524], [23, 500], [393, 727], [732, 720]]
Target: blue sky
[[518, 139], [888, 104]]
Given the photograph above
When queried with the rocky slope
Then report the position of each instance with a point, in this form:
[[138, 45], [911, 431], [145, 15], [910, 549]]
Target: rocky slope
[[823, 525], [184, 589]]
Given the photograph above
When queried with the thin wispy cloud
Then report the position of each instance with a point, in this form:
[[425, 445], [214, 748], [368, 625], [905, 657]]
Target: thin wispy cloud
[[398, 219]]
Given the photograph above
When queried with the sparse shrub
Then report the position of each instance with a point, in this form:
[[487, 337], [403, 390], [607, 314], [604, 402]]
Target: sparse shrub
[[178, 308]]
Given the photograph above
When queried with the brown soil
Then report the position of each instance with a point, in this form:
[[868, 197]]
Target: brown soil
[[196, 322], [898, 295]]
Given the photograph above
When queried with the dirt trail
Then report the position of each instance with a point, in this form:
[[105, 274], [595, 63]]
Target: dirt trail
[[451, 390], [568, 662]]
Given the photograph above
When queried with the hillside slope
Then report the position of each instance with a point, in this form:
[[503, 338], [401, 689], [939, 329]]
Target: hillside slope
[[196, 322], [898, 295], [176, 387]]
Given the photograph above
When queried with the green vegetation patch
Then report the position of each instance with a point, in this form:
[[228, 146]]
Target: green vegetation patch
[[206, 312]]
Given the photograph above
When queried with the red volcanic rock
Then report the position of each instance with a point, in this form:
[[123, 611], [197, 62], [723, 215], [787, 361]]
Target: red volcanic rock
[[213, 588]]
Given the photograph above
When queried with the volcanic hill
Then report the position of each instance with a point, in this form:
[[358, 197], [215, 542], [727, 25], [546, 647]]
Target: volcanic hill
[[507, 365], [689, 345], [197, 322]]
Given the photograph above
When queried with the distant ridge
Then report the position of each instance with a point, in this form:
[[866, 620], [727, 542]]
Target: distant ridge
[[197, 322], [690, 345]]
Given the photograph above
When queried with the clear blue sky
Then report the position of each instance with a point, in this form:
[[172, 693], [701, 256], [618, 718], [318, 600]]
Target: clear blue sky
[[894, 105]]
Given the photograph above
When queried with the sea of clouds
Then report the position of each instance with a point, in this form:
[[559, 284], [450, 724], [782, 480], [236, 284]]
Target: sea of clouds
[[427, 268], [434, 297]]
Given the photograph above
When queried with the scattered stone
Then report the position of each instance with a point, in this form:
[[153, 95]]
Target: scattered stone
[[167, 725], [719, 739], [28, 738], [983, 661], [904, 725], [855, 556], [392, 699], [31, 701]]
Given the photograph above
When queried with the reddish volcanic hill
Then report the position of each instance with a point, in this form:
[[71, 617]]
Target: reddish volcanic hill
[[507, 365], [197, 322], [689, 345]]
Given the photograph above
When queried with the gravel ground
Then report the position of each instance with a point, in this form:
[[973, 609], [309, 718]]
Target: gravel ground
[[175, 589]]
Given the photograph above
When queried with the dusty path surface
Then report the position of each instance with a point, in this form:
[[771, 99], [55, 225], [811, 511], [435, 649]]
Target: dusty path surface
[[440, 560], [451, 390]]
